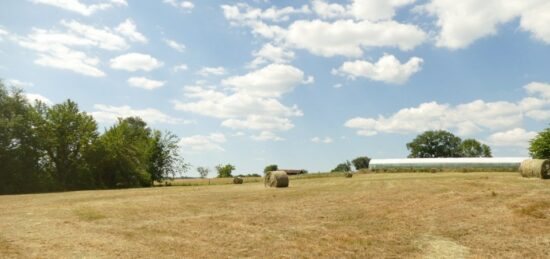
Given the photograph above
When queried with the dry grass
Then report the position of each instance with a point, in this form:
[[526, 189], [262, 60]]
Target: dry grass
[[451, 215]]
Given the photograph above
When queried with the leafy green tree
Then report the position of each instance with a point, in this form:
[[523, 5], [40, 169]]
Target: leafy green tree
[[361, 162], [342, 167], [486, 151], [203, 171], [165, 161], [69, 134], [225, 170], [270, 168], [471, 148], [539, 147], [438, 143], [22, 160]]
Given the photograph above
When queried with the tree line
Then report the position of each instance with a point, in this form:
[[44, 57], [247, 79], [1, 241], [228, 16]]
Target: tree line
[[58, 148]]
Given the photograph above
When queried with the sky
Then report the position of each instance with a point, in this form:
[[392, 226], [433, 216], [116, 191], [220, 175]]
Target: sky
[[300, 84]]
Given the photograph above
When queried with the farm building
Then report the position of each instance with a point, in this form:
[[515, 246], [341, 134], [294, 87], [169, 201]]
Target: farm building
[[293, 171], [413, 164]]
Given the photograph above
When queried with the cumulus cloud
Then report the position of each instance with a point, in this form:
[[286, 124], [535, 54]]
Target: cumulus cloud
[[387, 69], [272, 80], [135, 61], [325, 140], [484, 17], [110, 114], [517, 137], [202, 143], [266, 136], [145, 83], [103, 38], [179, 47], [129, 29], [251, 101], [33, 97], [371, 10], [180, 68], [270, 53], [184, 5], [207, 71], [466, 119], [81, 8]]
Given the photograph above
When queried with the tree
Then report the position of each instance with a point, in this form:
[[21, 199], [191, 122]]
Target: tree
[[69, 134], [437, 143], [165, 161], [203, 171], [486, 151], [539, 147], [22, 152], [225, 170], [270, 168], [361, 162], [471, 148], [342, 167]]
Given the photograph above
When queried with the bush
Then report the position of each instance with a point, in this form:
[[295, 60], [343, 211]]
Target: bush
[[361, 162], [539, 147]]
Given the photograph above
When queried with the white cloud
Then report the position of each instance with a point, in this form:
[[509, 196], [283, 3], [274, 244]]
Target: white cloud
[[180, 68], [466, 119], [541, 89], [271, 53], [32, 97], [184, 5], [325, 140], [517, 137], [103, 38], [129, 29], [83, 9], [242, 14], [201, 143], [175, 45], [273, 80], [348, 37], [484, 17], [206, 71], [145, 83], [110, 114], [337, 85], [266, 136], [371, 10], [257, 122], [134, 62], [18, 83], [329, 10], [387, 69]]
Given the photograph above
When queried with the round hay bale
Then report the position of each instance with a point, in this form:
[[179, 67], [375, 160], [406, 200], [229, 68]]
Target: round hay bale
[[539, 168], [238, 180], [277, 179], [348, 174]]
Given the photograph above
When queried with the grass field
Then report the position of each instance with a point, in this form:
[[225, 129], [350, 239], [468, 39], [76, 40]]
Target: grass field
[[444, 215]]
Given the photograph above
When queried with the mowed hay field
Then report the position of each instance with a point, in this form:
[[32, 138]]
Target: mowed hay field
[[445, 215]]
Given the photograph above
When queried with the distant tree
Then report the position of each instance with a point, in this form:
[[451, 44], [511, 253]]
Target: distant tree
[[471, 148], [539, 147], [437, 143], [225, 170], [270, 168], [203, 171], [342, 167], [361, 162], [165, 161], [486, 151]]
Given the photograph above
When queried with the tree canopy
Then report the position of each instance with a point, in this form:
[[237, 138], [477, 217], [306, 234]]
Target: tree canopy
[[270, 168], [441, 143], [539, 147], [342, 167], [225, 170], [361, 162]]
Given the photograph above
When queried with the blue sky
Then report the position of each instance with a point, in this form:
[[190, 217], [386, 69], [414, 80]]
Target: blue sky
[[302, 84]]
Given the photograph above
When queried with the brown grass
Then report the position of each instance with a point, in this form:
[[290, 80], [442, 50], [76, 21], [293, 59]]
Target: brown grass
[[450, 215]]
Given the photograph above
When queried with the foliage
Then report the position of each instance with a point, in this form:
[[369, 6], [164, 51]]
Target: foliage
[[225, 170], [539, 147], [342, 167], [59, 148], [437, 143], [361, 162], [203, 171], [270, 168], [486, 151]]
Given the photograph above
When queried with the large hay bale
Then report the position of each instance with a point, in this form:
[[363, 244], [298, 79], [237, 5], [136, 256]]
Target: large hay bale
[[539, 168], [238, 180], [277, 179]]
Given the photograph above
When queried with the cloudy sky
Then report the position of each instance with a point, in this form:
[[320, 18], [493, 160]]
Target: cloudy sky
[[303, 84]]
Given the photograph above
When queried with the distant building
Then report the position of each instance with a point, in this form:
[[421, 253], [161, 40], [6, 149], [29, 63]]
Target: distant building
[[293, 171]]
